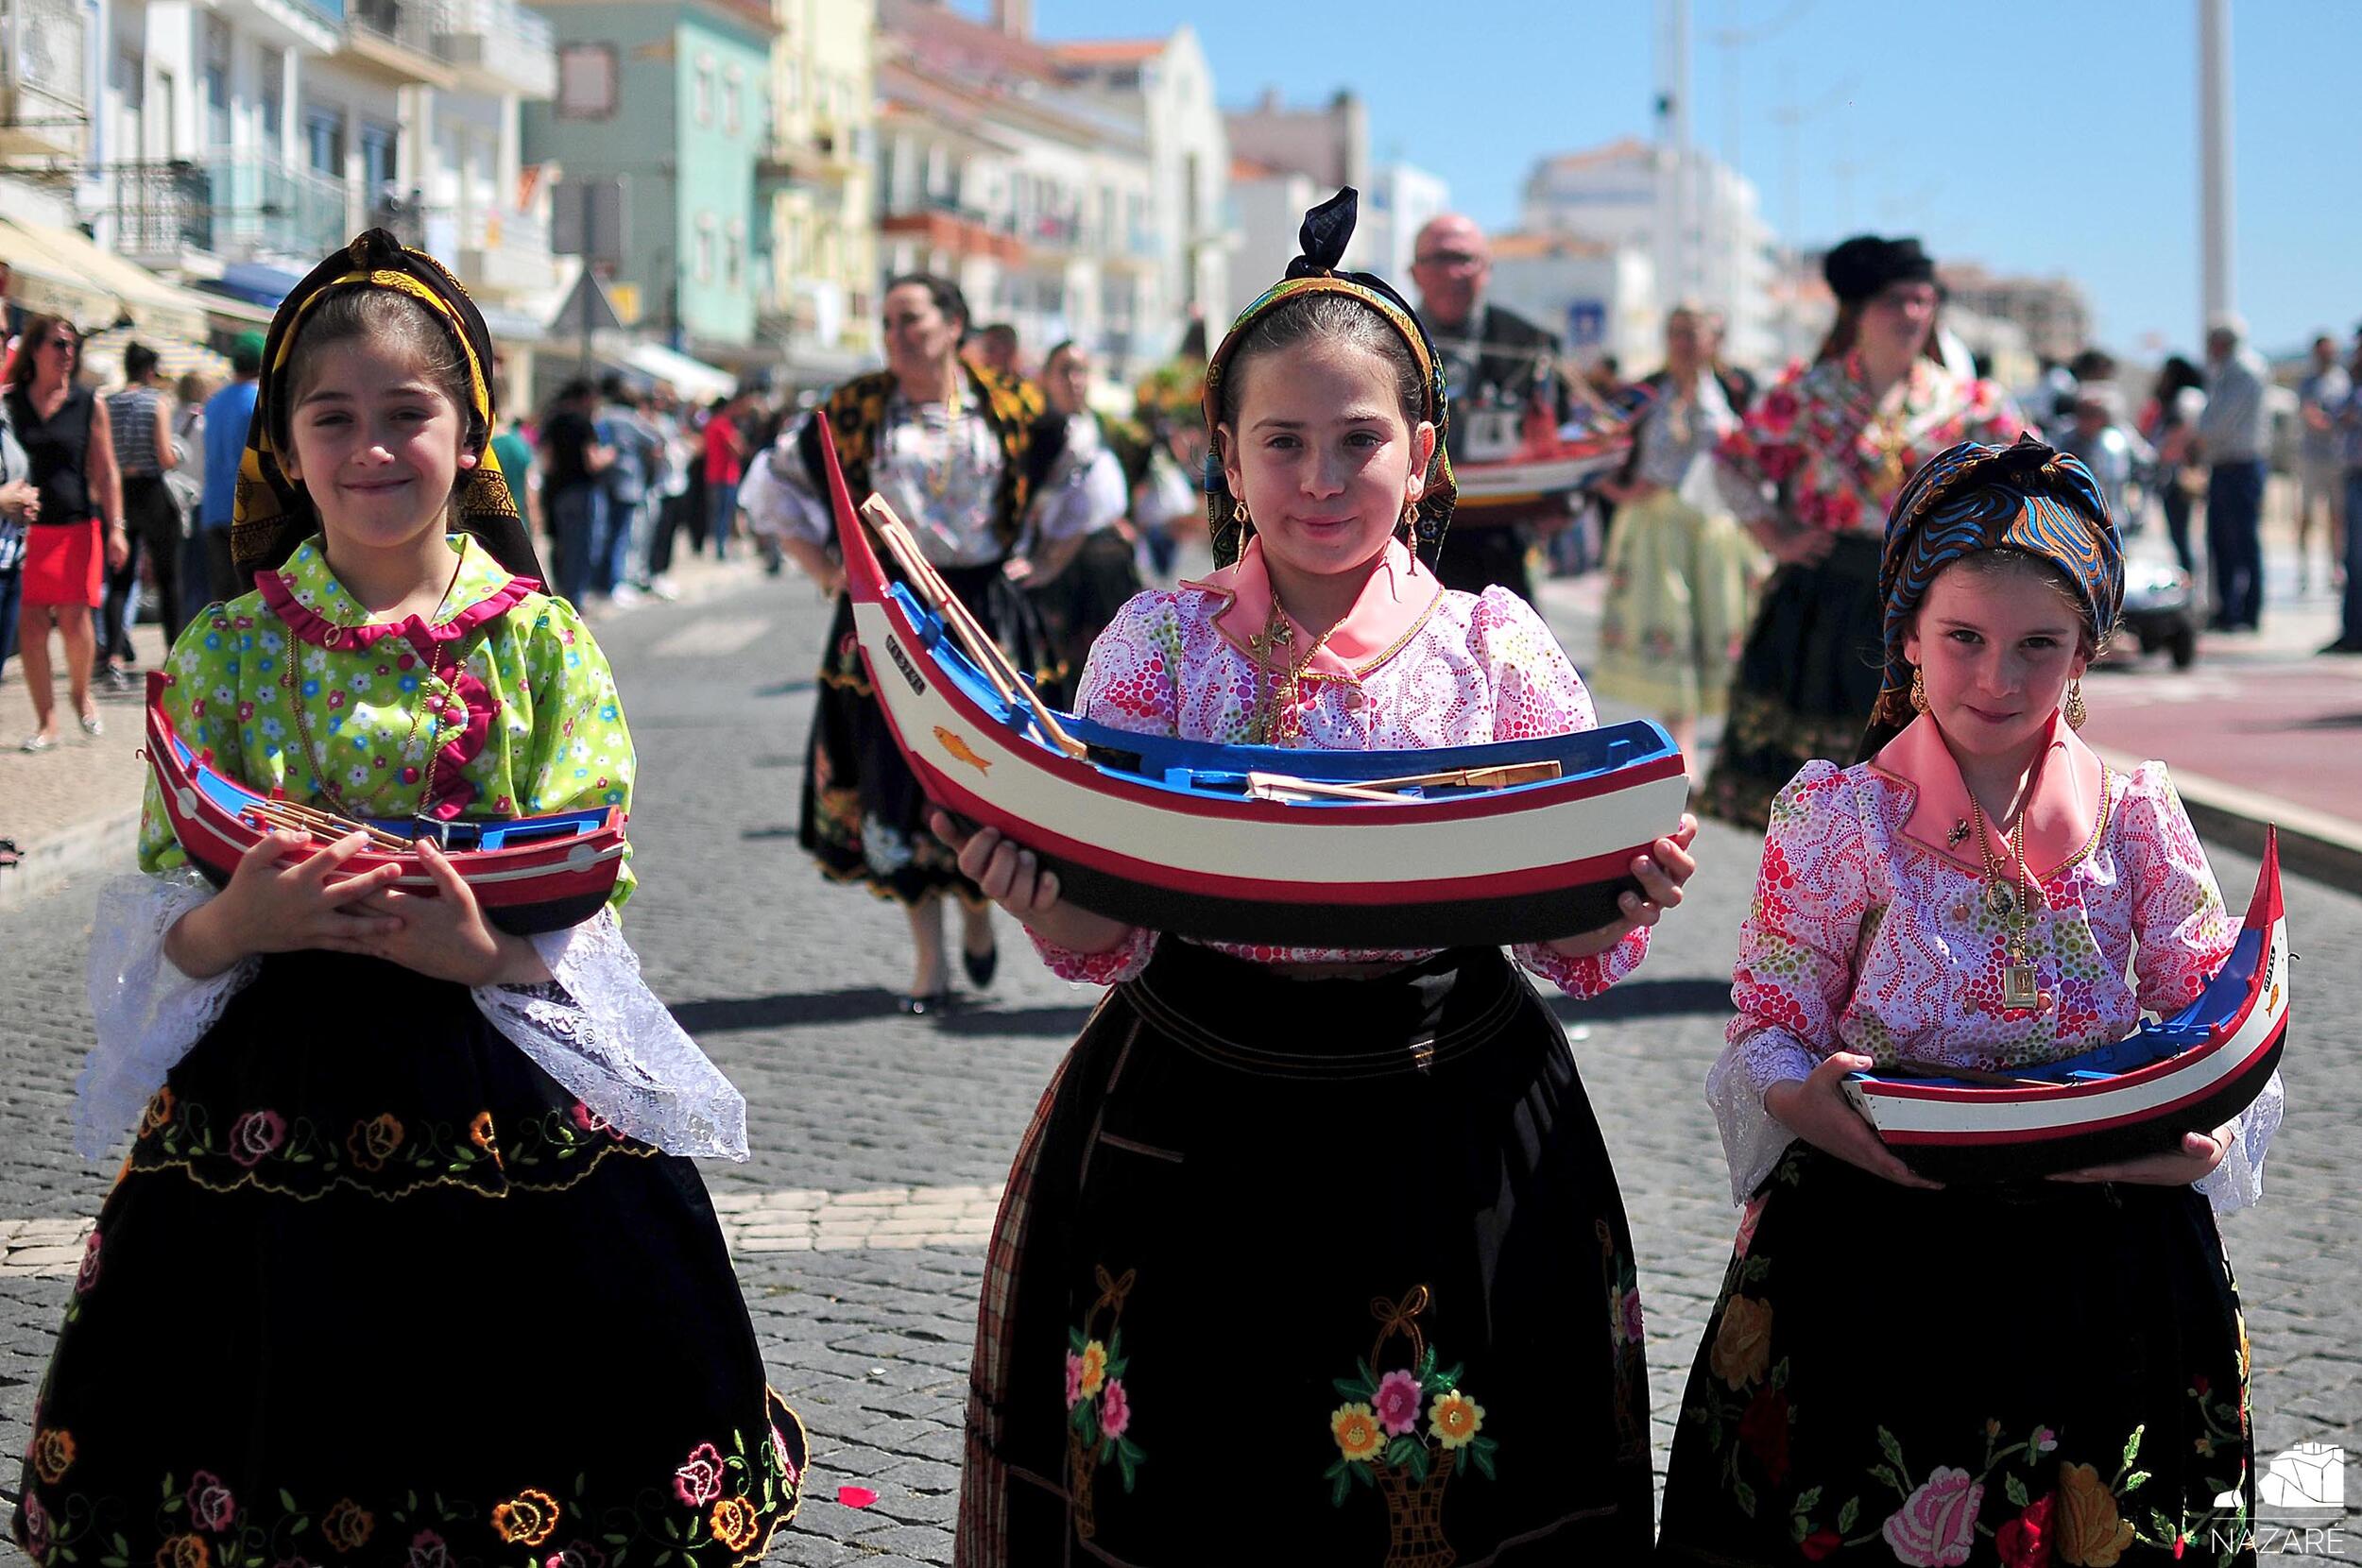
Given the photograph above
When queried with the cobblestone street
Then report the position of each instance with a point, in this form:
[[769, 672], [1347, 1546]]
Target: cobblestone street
[[879, 1141]]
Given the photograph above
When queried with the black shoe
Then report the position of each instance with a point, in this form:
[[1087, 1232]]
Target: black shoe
[[2345, 646], [919, 1004], [981, 966]]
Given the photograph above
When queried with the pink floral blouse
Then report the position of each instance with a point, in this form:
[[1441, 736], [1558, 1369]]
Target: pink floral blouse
[[1870, 931], [1815, 450], [1414, 666]]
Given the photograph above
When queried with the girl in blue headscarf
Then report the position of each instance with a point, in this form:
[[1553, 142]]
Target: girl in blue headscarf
[[1898, 1371]]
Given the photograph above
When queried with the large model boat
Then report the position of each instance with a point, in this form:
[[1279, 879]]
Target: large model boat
[[2191, 1072], [1513, 842], [531, 874]]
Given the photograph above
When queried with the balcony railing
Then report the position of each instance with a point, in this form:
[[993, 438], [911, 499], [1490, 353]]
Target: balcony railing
[[235, 206], [502, 41], [411, 23]]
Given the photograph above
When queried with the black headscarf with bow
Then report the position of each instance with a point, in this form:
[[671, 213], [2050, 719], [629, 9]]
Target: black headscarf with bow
[[1327, 231]]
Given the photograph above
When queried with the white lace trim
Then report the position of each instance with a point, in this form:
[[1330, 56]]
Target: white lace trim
[[2238, 1181], [146, 1013], [601, 1034], [1753, 1139]]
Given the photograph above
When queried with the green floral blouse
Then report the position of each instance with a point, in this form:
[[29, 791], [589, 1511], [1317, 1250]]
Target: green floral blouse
[[502, 708]]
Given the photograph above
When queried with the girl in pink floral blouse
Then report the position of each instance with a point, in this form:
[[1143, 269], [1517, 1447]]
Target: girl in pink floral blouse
[[2046, 1370], [1342, 1209]]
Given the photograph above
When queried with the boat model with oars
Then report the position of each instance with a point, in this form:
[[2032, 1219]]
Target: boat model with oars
[[1506, 458], [2191, 1072], [1510, 842], [531, 874]]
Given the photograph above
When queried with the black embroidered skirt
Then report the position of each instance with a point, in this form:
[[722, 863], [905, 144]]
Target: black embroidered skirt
[[373, 1288], [1311, 1271], [864, 817], [2031, 1375], [1808, 678]]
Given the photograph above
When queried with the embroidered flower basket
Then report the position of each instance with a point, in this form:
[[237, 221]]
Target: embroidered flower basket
[[1082, 1469], [1415, 1518]]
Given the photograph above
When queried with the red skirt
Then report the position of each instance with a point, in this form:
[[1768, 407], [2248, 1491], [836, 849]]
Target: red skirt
[[63, 564]]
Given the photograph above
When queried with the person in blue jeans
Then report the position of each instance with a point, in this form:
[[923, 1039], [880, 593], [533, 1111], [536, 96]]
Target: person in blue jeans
[[628, 481], [208, 575], [574, 495], [2234, 434], [2349, 430]]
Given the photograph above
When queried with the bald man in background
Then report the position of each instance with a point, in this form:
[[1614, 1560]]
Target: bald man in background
[[1492, 358]]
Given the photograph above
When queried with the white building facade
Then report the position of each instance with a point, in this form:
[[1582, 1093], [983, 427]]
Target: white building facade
[[1707, 242], [1401, 200]]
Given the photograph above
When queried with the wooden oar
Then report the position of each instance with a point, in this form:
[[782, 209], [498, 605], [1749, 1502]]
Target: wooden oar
[[1501, 775], [319, 824], [1278, 786], [962, 622]]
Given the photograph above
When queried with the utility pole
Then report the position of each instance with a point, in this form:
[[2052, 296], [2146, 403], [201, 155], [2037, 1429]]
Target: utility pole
[[1676, 203], [2218, 283]]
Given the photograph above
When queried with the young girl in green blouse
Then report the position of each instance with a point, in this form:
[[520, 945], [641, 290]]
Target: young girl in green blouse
[[405, 1263]]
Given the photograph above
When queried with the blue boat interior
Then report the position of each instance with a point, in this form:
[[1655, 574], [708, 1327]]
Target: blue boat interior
[[2150, 1044], [495, 833], [1210, 768]]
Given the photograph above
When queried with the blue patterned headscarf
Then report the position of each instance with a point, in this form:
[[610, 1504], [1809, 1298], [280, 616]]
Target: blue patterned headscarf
[[1972, 498]]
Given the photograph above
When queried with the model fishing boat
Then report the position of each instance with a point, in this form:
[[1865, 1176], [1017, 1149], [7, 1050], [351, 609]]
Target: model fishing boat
[[2191, 1072], [1513, 842], [1508, 461], [531, 874]]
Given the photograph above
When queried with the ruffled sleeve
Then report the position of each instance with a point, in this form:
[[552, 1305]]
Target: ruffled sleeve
[[1796, 965], [777, 494], [1536, 692], [1131, 681], [581, 755], [145, 1013], [2183, 934], [598, 1030]]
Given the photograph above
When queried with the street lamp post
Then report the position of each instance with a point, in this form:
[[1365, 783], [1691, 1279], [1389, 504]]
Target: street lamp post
[[2218, 288]]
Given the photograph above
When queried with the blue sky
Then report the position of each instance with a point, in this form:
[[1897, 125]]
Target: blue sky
[[2041, 137]]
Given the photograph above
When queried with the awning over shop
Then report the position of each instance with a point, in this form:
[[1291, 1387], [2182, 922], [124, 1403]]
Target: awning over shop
[[45, 285], [253, 283], [692, 377], [163, 308], [175, 357], [509, 326]]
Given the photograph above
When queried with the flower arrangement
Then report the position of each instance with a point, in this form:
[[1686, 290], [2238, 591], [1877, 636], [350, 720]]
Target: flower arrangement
[[1098, 1406], [1406, 1432]]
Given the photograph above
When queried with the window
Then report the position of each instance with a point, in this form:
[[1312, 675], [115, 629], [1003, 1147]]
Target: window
[[733, 85], [704, 265], [701, 90], [734, 255], [380, 159], [217, 83], [324, 140], [586, 81]]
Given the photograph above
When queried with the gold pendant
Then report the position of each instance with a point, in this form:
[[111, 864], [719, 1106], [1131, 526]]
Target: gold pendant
[[2017, 986]]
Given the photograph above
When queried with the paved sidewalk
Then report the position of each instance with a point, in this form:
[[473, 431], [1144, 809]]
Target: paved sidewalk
[[73, 811]]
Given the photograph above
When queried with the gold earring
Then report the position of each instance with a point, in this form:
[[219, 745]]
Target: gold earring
[[1919, 690], [1411, 517], [1238, 513], [2075, 712]]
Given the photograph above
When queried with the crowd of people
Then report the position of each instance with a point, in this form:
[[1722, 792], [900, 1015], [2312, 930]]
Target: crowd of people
[[1359, 1189]]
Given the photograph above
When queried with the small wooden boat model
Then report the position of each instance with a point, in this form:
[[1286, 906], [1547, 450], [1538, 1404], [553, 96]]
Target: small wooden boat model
[[2191, 1072], [1513, 842], [1505, 466], [531, 874]]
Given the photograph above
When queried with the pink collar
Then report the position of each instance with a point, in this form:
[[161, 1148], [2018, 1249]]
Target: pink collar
[[315, 607], [1394, 603], [2068, 805]]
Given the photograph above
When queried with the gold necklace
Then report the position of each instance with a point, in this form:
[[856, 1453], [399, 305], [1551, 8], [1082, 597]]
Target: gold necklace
[[1277, 722], [2018, 989]]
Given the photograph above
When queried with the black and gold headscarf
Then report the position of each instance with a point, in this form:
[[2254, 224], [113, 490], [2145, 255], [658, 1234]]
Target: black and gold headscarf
[[274, 514], [1327, 231]]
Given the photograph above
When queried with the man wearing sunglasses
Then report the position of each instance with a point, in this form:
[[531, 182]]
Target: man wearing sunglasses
[[1494, 359]]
